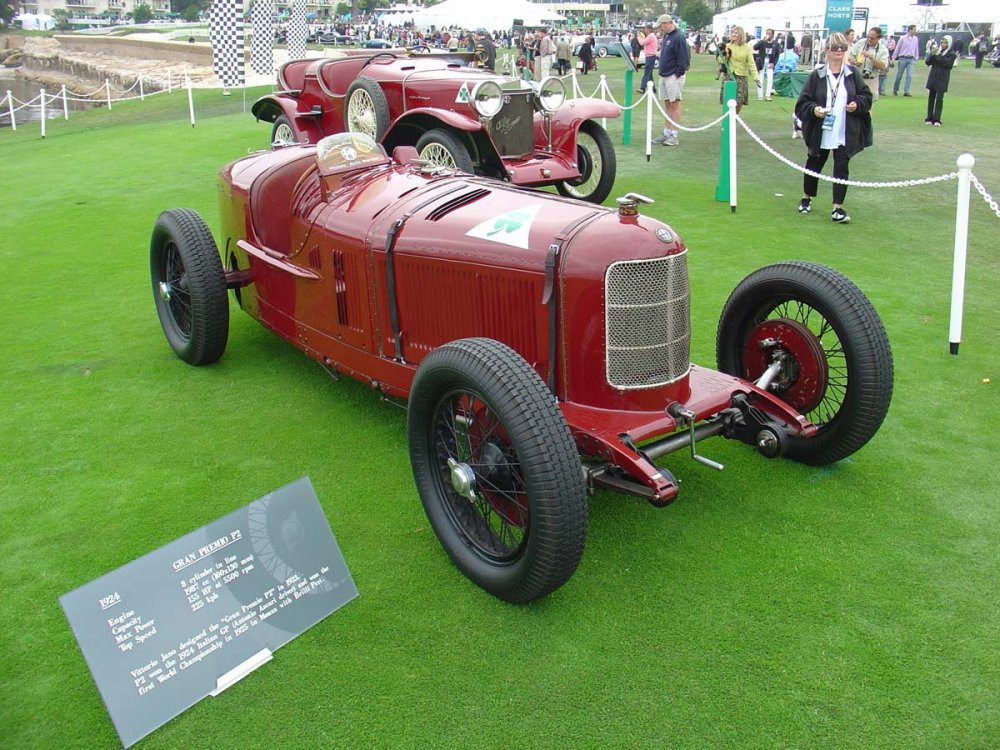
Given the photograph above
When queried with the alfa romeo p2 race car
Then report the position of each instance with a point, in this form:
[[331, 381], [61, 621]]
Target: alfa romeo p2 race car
[[466, 118], [542, 342]]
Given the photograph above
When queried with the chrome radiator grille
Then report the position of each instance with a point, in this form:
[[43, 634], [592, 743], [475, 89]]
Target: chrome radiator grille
[[648, 325], [512, 129]]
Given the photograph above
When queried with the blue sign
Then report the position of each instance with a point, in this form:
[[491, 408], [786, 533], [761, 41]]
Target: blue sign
[[839, 15]]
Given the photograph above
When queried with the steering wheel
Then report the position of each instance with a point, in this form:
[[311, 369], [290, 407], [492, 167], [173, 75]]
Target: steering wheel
[[377, 55]]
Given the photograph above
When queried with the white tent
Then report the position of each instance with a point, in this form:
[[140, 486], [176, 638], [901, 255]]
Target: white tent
[[895, 14], [474, 14], [36, 21]]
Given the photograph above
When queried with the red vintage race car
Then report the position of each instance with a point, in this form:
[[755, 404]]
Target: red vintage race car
[[542, 343], [470, 119]]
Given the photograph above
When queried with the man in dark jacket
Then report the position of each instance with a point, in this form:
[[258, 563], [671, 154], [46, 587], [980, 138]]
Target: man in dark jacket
[[675, 59], [940, 60]]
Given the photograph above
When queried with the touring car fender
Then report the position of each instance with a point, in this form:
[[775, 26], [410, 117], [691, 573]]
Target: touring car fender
[[566, 121], [304, 122], [409, 126]]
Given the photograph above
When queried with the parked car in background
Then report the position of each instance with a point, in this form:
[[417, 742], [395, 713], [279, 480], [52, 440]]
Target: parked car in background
[[603, 46], [378, 44], [331, 37], [461, 117], [543, 344]]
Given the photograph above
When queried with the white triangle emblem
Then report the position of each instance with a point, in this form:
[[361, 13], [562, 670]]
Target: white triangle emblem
[[464, 95]]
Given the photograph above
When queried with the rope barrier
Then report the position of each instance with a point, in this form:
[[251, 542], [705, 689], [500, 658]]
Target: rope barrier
[[677, 125], [990, 201], [856, 183]]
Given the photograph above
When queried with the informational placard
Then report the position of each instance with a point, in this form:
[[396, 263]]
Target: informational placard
[[189, 619], [839, 15]]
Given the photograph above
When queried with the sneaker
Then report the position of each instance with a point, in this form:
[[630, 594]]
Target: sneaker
[[907, 94], [937, 124], [671, 141], [805, 205], [661, 141], [928, 122], [840, 216], [767, 98]]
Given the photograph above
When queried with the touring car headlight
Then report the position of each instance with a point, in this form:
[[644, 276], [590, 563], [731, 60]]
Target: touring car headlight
[[487, 98], [551, 94]]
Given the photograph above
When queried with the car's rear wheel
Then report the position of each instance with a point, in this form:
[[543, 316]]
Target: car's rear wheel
[[366, 109], [282, 131], [596, 160], [602, 51], [440, 146], [836, 364], [189, 286], [497, 470]]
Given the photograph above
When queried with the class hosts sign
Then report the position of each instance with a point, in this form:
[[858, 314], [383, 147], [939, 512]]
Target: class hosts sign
[[191, 618], [839, 15]]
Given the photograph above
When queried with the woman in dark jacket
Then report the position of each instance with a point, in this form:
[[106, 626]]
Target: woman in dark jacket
[[835, 110], [586, 55], [941, 60]]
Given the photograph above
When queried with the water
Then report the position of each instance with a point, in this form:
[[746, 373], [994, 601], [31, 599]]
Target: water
[[26, 91]]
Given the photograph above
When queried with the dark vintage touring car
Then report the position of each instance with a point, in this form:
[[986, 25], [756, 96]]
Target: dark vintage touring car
[[474, 120], [542, 343]]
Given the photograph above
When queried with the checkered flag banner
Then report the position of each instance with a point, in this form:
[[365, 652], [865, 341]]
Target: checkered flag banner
[[225, 31], [297, 31], [262, 47]]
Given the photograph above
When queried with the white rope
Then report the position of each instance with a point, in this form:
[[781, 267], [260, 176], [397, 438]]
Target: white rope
[[990, 201], [25, 105], [677, 125], [29, 103], [95, 91], [622, 107], [855, 183]]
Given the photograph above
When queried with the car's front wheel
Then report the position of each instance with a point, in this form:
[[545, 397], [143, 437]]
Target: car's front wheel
[[189, 286], [440, 146], [602, 51], [595, 157], [497, 469], [835, 361]]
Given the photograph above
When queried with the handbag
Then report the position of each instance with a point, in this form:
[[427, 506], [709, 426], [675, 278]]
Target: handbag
[[579, 64]]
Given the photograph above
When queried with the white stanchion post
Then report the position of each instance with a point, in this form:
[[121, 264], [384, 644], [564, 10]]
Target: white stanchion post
[[65, 103], [142, 95], [170, 88], [572, 73], [732, 154], [190, 100], [604, 91], [41, 94], [10, 106], [649, 120], [107, 87], [965, 164]]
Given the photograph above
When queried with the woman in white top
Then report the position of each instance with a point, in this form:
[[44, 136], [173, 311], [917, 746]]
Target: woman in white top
[[835, 109]]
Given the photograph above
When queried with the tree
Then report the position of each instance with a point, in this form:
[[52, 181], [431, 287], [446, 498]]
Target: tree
[[142, 14], [189, 10], [342, 9], [6, 12], [61, 16], [695, 12], [191, 13]]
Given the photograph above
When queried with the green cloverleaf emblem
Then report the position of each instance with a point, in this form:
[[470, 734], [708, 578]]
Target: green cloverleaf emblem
[[511, 223]]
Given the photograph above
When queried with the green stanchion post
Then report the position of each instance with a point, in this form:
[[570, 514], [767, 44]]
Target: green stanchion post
[[722, 186], [627, 116]]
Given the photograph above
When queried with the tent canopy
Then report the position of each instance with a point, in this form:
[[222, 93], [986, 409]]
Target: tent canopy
[[895, 14], [474, 14]]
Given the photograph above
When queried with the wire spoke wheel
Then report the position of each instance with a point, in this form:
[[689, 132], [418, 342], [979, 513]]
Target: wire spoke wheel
[[492, 510], [283, 132], [596, 162], [174, 290], [435, 153], [836, 364], [361, 113], [497, 469]]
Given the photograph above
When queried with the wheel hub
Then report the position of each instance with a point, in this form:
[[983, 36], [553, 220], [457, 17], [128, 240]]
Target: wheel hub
[[804, 374], [463, 478], [165, 291]]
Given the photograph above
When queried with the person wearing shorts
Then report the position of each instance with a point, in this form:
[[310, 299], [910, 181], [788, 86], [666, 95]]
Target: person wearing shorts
[[675, 59]]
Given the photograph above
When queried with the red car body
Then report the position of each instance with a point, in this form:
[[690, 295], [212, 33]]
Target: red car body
[[522, 144], [400, 274]]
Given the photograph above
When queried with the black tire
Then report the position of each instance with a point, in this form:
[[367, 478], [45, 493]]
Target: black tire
[[842, 377], [441, 146], [282, 131], [595, 155], [365, 108], [521, 534], [189, 286]]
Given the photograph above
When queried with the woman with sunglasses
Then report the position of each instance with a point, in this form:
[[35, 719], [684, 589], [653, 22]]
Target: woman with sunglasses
[[835, 109]]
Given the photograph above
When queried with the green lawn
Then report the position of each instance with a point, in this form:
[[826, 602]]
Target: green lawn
[[773, 605]]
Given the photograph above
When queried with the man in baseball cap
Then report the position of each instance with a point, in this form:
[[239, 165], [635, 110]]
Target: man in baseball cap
[[675, 59]]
